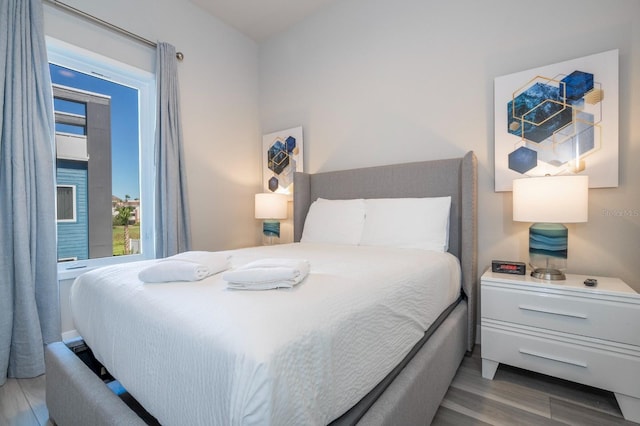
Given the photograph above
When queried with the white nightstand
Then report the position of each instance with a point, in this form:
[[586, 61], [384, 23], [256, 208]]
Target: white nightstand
[[589, 335]]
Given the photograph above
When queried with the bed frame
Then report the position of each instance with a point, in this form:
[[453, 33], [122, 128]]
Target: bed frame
[[414, 394], [76, 396]]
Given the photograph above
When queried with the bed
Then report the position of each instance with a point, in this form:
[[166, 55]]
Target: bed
[[403, 388]]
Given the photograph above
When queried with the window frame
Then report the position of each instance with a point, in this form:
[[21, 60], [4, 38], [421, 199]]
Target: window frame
[[74, 200], [82, 60]]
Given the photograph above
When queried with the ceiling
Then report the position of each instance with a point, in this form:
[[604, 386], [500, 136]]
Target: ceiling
[[260, 19]]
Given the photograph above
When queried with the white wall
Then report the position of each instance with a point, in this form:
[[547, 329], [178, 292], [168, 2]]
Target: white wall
[[389, 81], [219, 101]]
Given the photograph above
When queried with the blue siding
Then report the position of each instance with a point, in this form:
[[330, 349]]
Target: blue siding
[[73, 237]]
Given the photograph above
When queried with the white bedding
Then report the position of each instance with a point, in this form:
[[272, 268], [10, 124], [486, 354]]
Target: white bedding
[[198, 353]]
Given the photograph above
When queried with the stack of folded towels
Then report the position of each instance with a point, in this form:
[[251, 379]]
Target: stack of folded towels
[[266, 274], [187, 266]]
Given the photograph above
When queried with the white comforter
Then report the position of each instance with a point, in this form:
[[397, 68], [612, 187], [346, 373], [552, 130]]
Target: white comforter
[[197, 353]]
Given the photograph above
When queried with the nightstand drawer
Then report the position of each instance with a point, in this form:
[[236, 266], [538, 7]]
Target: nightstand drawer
[[598, 365], [585, 316]]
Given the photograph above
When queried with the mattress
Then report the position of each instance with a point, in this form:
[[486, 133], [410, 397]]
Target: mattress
[[198, 353]]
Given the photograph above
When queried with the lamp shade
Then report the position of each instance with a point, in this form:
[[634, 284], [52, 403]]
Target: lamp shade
[[551, 199], [271, 206]]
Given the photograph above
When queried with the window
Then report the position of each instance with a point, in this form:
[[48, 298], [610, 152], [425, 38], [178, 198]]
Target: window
[[105, 120], [66, 200]]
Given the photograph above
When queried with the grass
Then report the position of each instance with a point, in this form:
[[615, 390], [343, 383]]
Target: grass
[[118, 237]]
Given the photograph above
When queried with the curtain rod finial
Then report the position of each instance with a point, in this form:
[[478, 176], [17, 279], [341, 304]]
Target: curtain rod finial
[[180, 56]]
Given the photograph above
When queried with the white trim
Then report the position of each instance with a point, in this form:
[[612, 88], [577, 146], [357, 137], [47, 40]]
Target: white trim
[[71, 335], [81, 60], [74, 202]]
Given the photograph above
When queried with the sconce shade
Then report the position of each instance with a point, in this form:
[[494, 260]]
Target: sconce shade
[[271, 206], [551, 199]]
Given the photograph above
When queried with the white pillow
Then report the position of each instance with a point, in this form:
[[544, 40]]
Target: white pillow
[[407, 223], [334, 222]]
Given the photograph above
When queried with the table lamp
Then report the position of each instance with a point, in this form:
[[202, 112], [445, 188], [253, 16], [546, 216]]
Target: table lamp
[[270, 207], [550, 201]]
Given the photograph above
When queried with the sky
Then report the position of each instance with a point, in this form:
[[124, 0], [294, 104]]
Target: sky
[[125, 151]]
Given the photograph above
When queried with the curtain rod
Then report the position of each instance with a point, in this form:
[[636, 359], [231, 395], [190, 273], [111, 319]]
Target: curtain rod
[[108, 25]]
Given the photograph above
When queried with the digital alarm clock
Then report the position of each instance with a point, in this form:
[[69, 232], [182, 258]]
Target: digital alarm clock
[[508, 267]]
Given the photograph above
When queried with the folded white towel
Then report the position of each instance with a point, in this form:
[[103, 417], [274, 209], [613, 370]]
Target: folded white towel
[[266, 274], [173, 270], [187, 266]]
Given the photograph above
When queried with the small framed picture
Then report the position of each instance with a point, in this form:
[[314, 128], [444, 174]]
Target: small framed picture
[[282, 154]]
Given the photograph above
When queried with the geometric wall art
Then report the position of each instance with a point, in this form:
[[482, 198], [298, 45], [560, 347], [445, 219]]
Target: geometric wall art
[[560, 119], [282, 155]]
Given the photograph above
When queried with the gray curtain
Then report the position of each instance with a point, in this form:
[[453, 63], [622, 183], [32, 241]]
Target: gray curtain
[[29, 308], [173, 233]]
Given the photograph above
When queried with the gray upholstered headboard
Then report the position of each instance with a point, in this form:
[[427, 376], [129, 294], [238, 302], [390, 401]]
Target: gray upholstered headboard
[[456, 177]]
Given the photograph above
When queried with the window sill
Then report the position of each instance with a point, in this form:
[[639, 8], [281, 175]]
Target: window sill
[[71, 270]]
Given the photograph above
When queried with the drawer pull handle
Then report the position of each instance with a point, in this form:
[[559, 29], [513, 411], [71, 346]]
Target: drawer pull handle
[[553, 358], [549, 311]]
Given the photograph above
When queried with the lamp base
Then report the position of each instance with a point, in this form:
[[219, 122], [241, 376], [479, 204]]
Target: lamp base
[[270, 232], [548, 244], [548, 274]]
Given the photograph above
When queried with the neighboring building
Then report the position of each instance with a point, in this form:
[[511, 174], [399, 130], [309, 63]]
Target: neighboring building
[[72, 197], [135, 208], [83, 174]]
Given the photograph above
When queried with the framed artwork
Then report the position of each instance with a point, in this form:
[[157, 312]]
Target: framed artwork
[[282, 155], [558, 119]]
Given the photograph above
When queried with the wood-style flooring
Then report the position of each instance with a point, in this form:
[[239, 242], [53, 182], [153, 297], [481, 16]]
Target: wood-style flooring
[[520, 397], [22, 403], [514, 397]]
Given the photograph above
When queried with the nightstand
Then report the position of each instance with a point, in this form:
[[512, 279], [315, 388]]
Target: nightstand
[[589, 335]]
